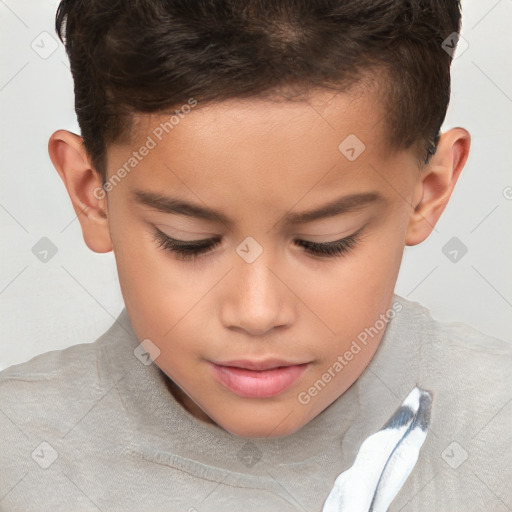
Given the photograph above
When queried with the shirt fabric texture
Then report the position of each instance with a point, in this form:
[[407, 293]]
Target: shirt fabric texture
[[93, 428]]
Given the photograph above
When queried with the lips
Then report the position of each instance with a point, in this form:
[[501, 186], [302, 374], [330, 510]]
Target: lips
[[255, 379], [267, 364]]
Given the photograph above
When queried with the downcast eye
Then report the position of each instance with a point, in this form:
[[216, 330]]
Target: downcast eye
[[190, 250]]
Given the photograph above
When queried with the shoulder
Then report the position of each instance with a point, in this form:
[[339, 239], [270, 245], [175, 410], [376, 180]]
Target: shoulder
[[50, 392], [50, 364], [37, 392], [468, 373], [453, 337], [40, 400], [457, 355], [58, 408], [60, 381]]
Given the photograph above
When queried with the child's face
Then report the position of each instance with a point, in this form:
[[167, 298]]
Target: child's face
[[256, 163]]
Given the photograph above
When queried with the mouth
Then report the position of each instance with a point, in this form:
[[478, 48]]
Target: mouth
[[257, 379]]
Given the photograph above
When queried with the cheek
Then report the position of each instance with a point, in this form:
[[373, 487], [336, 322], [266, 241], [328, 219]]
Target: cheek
[[152, 288], [349, 293], [164, 298]]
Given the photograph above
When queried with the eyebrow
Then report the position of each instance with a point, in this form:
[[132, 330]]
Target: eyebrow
[[173, 205]]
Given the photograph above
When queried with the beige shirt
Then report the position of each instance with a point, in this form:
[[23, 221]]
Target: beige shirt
[[92, 428]]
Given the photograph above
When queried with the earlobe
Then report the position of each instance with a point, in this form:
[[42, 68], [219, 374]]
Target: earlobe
[[83, 185], [436, 183]]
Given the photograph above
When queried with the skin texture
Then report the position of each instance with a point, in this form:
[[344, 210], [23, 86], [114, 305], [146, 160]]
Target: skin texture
[[256, 160]]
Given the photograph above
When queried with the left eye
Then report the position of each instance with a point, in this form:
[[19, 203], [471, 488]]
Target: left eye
[[189, 250]]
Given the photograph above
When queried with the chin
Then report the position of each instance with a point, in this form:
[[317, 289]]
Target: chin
[[256, 429]]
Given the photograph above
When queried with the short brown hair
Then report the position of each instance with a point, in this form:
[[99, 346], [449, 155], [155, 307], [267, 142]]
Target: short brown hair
[[149, 56]]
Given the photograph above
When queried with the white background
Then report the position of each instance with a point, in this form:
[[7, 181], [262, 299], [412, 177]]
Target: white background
[[75, 296]]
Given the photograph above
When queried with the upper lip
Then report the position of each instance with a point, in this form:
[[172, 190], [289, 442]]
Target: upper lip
[[266, 364]]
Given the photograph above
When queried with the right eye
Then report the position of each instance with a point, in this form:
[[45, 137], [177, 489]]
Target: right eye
[[185, 250]]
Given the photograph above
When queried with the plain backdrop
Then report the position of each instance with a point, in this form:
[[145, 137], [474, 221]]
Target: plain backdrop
[[462, 272]]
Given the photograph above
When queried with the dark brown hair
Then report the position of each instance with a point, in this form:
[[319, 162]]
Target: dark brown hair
[[150, 56]]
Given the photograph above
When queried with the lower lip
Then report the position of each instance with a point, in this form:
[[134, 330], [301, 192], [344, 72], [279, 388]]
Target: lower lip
[[258, 384]]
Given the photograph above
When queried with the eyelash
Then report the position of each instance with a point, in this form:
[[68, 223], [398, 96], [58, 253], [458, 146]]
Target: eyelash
[[190, 250]]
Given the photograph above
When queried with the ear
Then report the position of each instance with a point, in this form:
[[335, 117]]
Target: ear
[[83, 185], [436, 182]]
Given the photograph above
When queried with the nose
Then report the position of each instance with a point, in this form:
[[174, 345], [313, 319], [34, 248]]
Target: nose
[[256, 298]]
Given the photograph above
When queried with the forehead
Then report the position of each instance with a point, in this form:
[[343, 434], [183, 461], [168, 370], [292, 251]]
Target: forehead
[[261, 148], [273, 119]]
